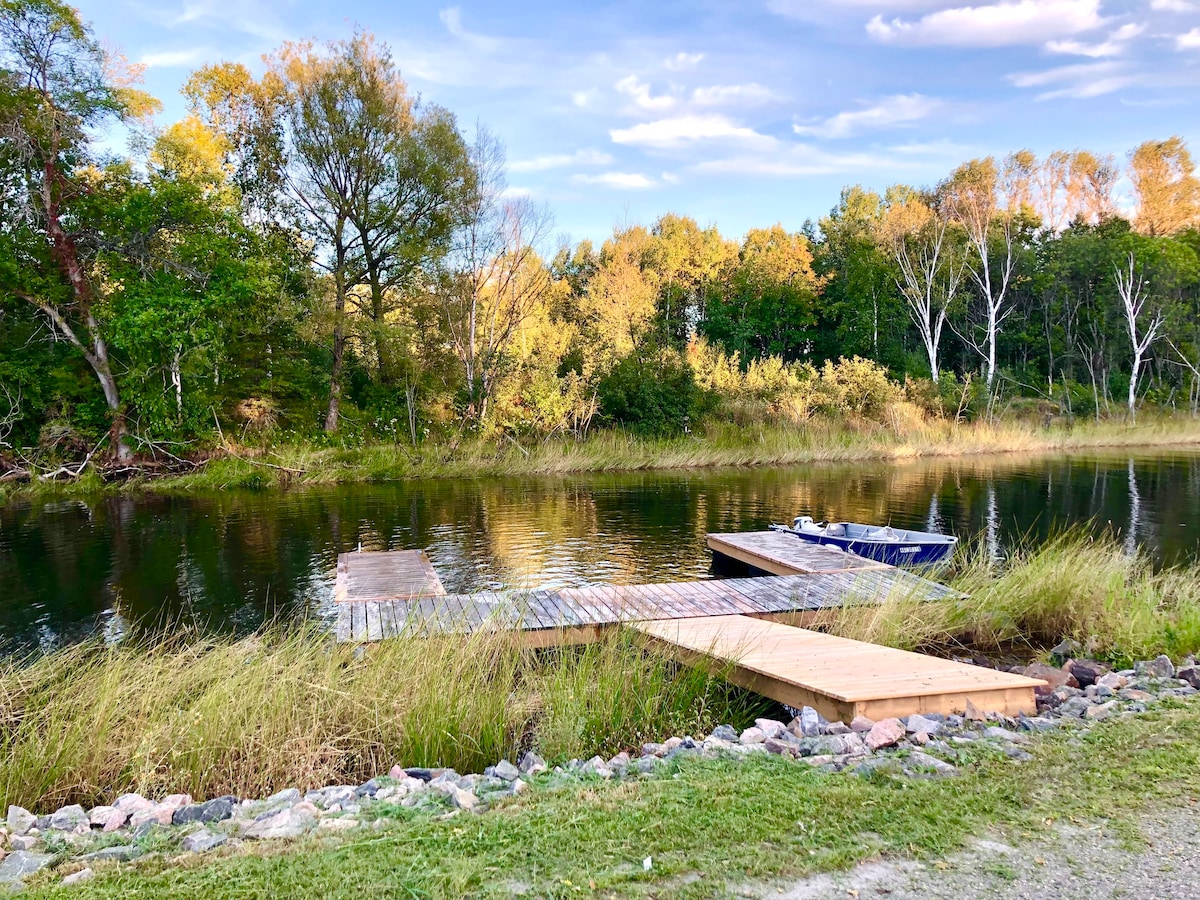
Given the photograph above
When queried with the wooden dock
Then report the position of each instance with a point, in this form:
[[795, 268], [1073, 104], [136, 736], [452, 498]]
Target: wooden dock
[[783, 554], [741, 626], [838, 677]]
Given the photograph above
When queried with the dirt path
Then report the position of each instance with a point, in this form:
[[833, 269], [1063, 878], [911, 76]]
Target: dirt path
[[1074, 862]]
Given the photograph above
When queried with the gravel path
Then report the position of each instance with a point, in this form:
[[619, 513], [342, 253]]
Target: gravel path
[[1084, 863]]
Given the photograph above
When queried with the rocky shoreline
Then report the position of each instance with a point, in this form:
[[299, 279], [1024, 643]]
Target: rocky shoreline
[[1078, 694]]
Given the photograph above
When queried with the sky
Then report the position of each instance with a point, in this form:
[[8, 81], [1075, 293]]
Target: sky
[[739, 114]]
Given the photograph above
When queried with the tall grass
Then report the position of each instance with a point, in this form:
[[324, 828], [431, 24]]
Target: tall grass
[[251, 716], [1117, 605]]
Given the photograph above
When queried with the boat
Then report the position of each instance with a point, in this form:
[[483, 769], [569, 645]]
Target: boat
[[894, 546]]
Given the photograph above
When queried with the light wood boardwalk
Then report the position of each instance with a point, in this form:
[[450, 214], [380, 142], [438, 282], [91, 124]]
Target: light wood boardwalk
[[385, 575], [785, 554], [838, 677]]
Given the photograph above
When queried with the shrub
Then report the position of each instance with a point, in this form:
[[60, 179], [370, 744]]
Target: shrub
[[856, 387], [652, 392]]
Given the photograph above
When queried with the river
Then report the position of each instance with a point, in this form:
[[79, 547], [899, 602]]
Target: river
[[228, 561]]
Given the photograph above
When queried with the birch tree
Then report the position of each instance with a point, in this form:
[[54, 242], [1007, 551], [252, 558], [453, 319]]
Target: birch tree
[[930, 269], [1143, 325], [494, 279]]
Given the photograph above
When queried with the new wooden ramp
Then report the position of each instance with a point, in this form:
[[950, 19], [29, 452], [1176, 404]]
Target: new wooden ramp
[[786, 554], [839, 677]]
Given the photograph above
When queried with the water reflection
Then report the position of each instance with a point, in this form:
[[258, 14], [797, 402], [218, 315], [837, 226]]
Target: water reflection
[[231, 560]]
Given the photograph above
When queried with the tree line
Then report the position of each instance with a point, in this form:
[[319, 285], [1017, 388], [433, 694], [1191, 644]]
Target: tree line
[[316, 252]]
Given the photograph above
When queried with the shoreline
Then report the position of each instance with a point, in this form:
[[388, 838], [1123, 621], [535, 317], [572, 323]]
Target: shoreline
[[720, 446]]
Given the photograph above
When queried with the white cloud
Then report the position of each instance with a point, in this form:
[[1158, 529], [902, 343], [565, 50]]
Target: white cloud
[[640, 93], [682, 61], [1114, 46], [794, 161], [561, 161], [1173, 5], [622, 180], [995, 25], [452, 18], [1188, 41], [681, 130], [168, 59], [724, 94], [902, 109], [1076, 81]]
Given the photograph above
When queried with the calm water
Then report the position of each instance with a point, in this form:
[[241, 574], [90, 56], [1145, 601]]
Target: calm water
[[229, 560]]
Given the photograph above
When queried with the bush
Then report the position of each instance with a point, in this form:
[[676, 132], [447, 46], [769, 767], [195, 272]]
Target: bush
[[856, 387], [652, 392]]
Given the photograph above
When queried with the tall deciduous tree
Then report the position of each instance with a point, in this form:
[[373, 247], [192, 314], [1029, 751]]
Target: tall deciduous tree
[[1168, 192], [57, 84], [494, 279]]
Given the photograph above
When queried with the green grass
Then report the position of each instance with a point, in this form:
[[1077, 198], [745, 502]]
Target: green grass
[[710, 826], [716, 444]]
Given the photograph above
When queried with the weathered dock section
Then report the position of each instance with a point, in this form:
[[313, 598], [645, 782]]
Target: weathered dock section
[[777, 553], [838, 677], [385, 575]]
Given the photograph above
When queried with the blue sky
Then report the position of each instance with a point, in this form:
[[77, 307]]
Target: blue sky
[[741, 114]]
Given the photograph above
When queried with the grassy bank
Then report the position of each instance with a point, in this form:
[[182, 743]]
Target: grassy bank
[[717, 444], [715, 826], [255, 715]]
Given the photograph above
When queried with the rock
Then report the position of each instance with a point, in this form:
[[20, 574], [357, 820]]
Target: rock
[[1190, 674], [397, 772], [972, 713], [1135, 695], [285, 823], [217, 810], [779, 747], [1066, 650], [21, 864], [371, 787], [672, 743], [880, 765], [1038, 723], [596, 766], [770, 727], [653, 749], [861, 724], [920, 739], [506, 770], [520, 787], [725, 733], [837, 728], [618, 762], [752, 736], [1112, 681], [885, 733], [121, 853], [338, 823], [155, 815], [1003, 734], [463, 799], [421, 773], [1054, 678], [203, 840], [178, 801], [916, 724], [131, 803], [919, 760], [839, 745], [1101, 711], [24, 842], [77, 877], [1087, 671], [808, 724], [1159, 667], [20, 820], [108, 818], [71, 818], [290, 795], [532, 764]]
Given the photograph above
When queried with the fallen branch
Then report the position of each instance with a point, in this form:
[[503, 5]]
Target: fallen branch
[[254, 462]]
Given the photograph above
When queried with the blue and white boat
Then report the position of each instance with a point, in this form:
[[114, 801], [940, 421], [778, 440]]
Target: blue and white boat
[[895, 546]]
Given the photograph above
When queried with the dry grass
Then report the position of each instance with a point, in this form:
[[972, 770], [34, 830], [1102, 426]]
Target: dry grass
[[1115, 604], [251, 716]]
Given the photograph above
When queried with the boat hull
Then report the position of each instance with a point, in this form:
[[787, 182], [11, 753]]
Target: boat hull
[[912, 553]]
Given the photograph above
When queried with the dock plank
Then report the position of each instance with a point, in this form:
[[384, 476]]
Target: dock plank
[[784, 554], [839, 677]]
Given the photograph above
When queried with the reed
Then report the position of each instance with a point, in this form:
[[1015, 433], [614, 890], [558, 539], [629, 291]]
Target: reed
[[1116, 604]]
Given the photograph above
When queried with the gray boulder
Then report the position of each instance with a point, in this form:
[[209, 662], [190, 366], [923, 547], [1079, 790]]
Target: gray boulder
[[72, 818], [21, 864], [203, 840], [213, 811], [286, 823], [1159, 667], [507, 771], [20, 820]]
